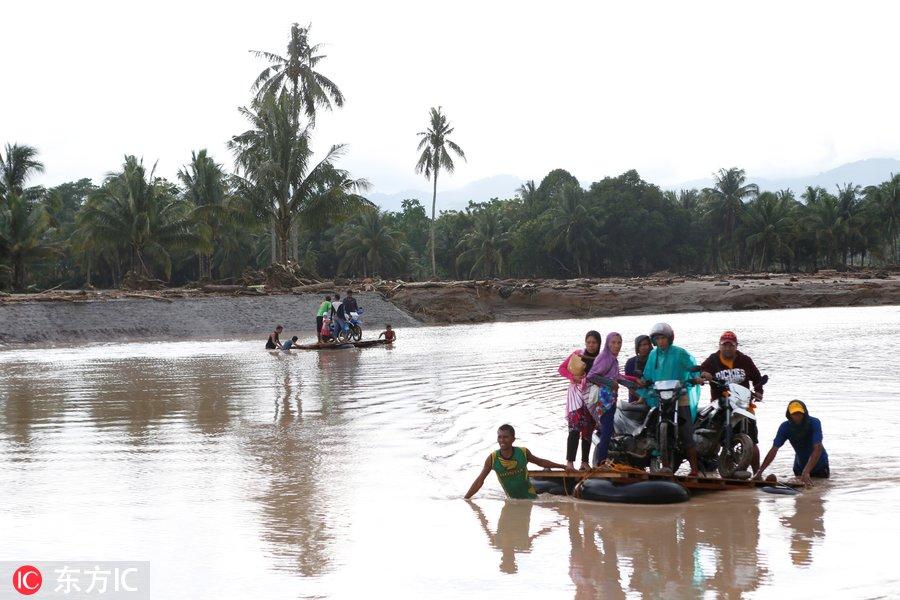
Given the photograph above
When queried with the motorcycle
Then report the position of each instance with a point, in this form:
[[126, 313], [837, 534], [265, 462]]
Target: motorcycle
[[355, 324], [720, 431]]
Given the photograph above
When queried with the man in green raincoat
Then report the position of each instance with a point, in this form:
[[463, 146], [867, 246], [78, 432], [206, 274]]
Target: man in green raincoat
[[669, 362]]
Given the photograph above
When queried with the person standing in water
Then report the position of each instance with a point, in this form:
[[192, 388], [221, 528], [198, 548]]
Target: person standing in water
[[511, 465], [324, 309], [388, 334], [606, 365], [273, 343], [581, 423], [805, 435]]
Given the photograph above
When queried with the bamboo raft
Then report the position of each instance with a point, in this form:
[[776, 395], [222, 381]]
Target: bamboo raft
[[690, 483], [339, 346]]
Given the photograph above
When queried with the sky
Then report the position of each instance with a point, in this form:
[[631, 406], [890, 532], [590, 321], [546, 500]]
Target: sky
[[675, 90]]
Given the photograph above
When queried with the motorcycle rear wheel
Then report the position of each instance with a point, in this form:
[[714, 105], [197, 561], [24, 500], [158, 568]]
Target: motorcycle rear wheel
[[739, 456]]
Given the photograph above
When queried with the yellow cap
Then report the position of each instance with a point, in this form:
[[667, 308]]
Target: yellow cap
[[795, 407]]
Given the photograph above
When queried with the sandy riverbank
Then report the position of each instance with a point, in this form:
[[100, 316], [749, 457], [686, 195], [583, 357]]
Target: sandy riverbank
[[221, 311]]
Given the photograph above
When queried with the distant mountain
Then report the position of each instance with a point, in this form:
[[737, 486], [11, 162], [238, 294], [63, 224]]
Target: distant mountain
[[863, 172], [498, 186]]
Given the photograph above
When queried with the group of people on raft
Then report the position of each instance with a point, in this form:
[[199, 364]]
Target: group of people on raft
[[656, 359], [331, 309]]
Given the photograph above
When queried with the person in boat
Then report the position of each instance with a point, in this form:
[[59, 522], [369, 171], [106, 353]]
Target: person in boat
[[388, 334], [290, 343], [804, 432], [511, 465], [732, 366], [273, 343], [581, 423], [324, 309], [634, 366], [350, 304], [668, 362], [606, 365]]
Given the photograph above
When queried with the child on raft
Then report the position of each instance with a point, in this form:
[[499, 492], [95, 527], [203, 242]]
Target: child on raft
[[581, 423]]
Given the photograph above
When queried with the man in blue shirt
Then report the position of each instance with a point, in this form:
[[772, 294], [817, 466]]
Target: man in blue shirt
[[805, 435]]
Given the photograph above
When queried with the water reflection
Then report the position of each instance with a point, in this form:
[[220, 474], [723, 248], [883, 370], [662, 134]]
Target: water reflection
[[807, 526], [511, 536]]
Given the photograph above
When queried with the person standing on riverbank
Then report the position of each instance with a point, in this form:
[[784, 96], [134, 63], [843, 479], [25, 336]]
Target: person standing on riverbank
[[581, 423], [511, 465], [324, 309]]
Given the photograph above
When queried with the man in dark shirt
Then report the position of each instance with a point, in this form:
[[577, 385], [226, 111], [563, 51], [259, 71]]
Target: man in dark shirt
[[350, 305], [805, 435], [732, 366], [634, 366]]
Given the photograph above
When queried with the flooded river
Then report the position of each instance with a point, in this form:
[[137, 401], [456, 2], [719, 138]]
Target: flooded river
[[242, 473]]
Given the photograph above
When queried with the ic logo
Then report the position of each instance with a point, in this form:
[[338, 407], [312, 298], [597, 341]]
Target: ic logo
[[27, 580]]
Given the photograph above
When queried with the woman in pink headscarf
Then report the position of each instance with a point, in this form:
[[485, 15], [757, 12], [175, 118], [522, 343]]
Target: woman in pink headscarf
[[606, 365]]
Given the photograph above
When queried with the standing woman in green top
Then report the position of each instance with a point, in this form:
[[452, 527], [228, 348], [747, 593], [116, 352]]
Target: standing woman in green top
[[511, 465], [324, 308]]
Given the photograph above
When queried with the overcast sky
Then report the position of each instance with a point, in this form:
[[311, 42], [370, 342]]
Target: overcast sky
[[673, 89]]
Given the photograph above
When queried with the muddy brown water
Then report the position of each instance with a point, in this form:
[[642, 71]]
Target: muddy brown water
[[243, 473]]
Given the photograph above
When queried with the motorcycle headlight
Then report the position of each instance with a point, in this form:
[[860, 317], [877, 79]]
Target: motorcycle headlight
[[667, 394]]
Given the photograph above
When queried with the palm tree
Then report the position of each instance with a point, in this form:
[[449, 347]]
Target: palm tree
[[885, 200], [822, 218], [23, 239], [16, 166], [280, 179], [528, 193], [573, 226], [485, 245], [726, 199], [768, 223], [296, 73], [205, 188], [371, 244], [436, 147], [135, 211]]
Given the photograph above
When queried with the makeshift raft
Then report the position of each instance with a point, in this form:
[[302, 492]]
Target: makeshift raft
[[700, 483], [339, 345]]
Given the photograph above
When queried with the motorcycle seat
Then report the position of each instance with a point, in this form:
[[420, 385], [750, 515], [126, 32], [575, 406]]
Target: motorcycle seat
[[633, 410]]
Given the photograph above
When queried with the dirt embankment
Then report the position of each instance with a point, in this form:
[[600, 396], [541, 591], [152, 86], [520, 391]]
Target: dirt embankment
[[218, 310], [510, 300]]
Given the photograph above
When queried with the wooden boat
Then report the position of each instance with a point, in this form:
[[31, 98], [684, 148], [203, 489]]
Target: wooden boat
[[339, 346]]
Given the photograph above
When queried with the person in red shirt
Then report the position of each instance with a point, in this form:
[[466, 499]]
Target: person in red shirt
[[732, 366], [388, 334]]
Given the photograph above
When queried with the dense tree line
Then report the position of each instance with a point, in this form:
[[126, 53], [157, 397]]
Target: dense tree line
[[285, 203]]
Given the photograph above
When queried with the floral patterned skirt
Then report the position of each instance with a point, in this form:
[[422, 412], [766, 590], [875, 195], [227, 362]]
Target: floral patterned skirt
[[580, 420]]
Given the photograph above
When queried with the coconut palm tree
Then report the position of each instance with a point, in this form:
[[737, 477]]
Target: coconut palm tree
[[885, 201], [768, 225], [296, 73], [17, 164], [279, 178], [822, 218], [726, 198], [136, 212], [573, 226], [23, 235], [485, 245], [436, 147], [371, 245], [205, 189]]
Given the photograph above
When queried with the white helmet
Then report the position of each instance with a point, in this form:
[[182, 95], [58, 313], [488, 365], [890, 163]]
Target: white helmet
[[663, 329]]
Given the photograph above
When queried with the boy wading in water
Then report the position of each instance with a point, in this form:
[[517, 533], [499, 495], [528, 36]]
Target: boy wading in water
[[511, 465]]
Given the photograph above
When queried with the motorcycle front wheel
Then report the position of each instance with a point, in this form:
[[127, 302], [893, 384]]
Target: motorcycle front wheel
[[355, 333], [738, 457]]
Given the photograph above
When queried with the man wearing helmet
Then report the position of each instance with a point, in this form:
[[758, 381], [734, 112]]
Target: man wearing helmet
[[669, 362]]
